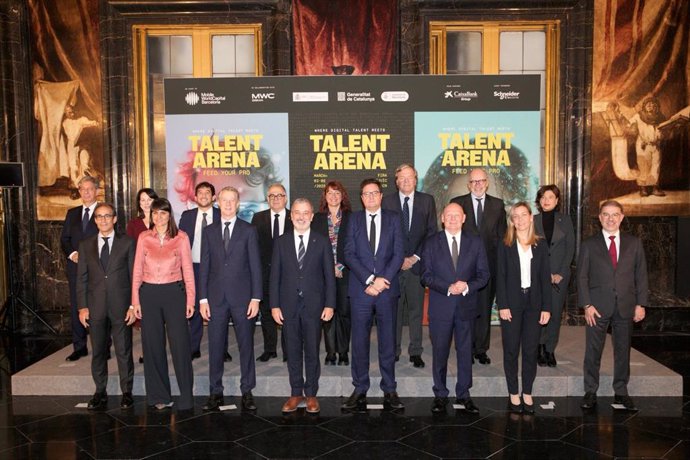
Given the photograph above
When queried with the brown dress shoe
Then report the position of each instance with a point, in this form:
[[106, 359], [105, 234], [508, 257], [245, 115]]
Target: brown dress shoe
[[292, 403], [313, 405]]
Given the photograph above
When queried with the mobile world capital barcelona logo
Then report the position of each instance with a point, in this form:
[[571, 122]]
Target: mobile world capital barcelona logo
[[192, 98]]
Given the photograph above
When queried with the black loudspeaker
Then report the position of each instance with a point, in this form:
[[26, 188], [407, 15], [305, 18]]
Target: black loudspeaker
[[11, 174], [683, 258]]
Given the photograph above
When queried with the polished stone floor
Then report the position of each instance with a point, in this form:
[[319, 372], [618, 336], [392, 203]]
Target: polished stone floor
[[37, 427]]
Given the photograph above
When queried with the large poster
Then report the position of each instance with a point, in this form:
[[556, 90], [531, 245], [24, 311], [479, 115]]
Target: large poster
[[306, 131]]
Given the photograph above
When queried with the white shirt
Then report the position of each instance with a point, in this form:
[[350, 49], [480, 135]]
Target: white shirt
[[196, 244], [305, 238], [281, 220], [525, 266], [475, 204], [617, 239], [449, 238], [377, 221], [230, 228]]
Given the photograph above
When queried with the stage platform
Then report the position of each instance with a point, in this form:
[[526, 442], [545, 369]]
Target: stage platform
[[55, 376]]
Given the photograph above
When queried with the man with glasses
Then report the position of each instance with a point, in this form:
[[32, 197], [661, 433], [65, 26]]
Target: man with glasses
[[374, 254], [486, 217], [612, 288], [79, 224], [270, 224], [104, 290]]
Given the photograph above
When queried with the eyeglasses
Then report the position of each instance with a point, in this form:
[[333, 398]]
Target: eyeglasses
[[371, 194], [478, 182], [274, 196], [103, 216]]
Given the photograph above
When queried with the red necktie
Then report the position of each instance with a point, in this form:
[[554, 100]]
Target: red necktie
[[612, 251]]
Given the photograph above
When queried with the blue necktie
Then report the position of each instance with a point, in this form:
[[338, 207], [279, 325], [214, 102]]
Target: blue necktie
[[85, 220]]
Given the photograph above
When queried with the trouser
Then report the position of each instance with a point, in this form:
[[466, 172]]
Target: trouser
[[411, 302], [442, 333], [336, 332], [163, 309], [101, 330], [522, 331], [302, 335], [551, 331], [482, 326]]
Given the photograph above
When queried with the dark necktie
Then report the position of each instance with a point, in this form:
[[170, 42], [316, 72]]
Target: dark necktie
[[85, 220], [612, 252], [276, 227], [454, 253], [226, 236], [204, 222], [480, 212], [105, 252], [372, 234], [300, 252], [406, 215]]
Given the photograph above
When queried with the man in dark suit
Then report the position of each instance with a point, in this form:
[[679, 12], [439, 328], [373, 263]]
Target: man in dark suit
[[374, 253], [486, 217], [612, 288], [192, 222], [417, 212], [104, 290], [302, 295], [270, 224], [455, 268], [79, 224], [230, 287]]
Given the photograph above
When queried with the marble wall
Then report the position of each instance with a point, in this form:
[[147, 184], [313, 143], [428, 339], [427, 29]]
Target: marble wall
[[38, 259]]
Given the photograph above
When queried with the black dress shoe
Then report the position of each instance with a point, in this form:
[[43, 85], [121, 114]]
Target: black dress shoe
[[439, 405], [227, 358], [356, 402], [515, 408], [108, 356], [284, 358], [416, 361], [126, 401], [248, 401], [528, 408], [99, 401], [589, 401], [141, 360], [625, 400], [483, 358], [196, 355], [397, 358], [550, 359], [266, 355], [213, 403], [343, 360], [469, 405], [76, 354], [330, 359], [541, 357], [391, 401]]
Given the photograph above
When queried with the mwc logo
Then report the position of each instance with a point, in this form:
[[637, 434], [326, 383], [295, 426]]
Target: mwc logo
[[260, 97]]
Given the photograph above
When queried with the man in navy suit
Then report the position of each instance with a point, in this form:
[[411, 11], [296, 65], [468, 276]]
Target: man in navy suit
[[271, 223], [486, 217], [612, 287], [192, 222], [417, 212], [302, 295], [230, 287], [79, 225], [104, 292], [455, 268], [374, 253]]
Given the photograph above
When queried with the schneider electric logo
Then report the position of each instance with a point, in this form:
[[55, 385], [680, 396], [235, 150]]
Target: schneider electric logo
[[461, 95], [502, 95], [192, 98]]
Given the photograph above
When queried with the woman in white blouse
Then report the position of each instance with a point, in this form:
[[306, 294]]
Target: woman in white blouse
[[523, 295]]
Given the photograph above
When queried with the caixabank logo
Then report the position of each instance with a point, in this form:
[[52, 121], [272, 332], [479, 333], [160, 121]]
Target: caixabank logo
[[461, 95]]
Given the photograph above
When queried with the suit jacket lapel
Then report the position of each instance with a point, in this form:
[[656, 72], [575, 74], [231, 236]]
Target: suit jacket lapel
[[558, 233]]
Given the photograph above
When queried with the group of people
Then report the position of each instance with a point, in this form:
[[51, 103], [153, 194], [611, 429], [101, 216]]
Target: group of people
[[333, 272]]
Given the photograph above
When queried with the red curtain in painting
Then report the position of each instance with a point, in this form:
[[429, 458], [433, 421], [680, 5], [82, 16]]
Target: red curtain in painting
[[340, 33], [641, 49]]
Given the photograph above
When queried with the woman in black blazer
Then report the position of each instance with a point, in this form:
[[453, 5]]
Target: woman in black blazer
[[331, 221], [557, 229], [523, 295]]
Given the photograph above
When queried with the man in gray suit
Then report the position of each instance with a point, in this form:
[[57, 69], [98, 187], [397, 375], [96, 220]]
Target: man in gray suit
[[104, 284], [612, 289]]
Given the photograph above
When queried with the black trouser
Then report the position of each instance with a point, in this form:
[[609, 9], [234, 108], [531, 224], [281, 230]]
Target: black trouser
[[163, 309], [101, 330], [522, 331], [621, 334], [482, 326], [336, 332]]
